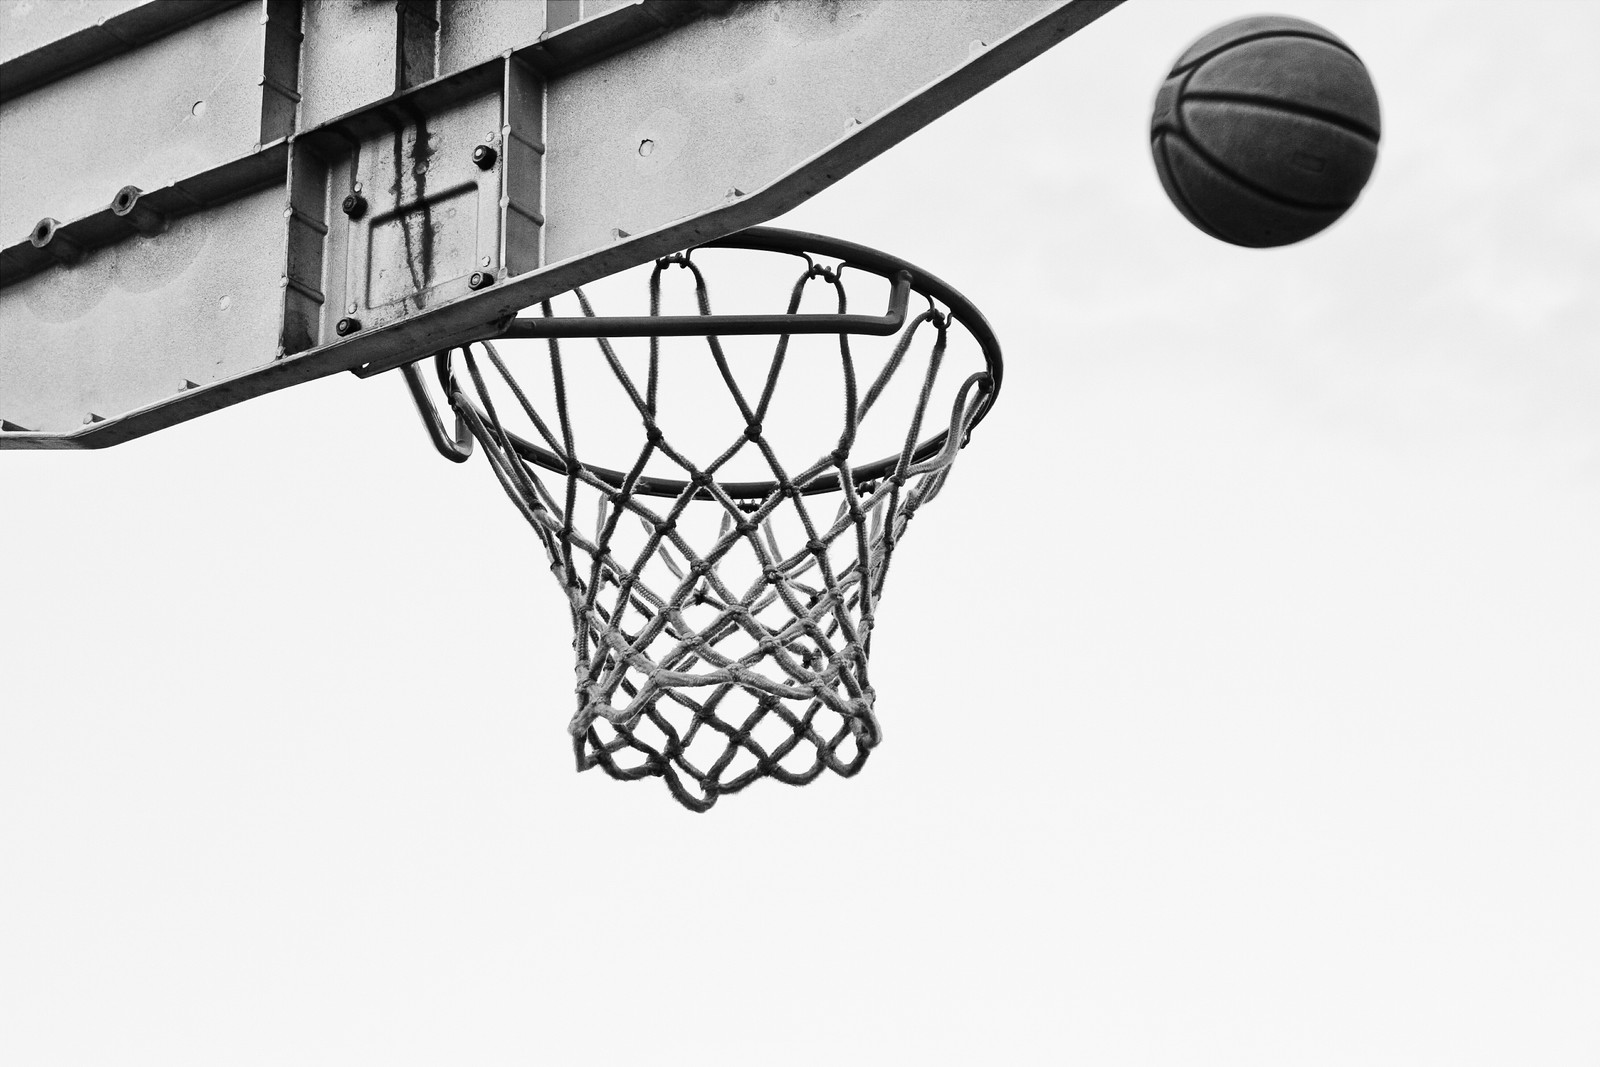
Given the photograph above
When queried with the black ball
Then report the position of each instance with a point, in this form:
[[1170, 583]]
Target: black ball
[[1266, 131]]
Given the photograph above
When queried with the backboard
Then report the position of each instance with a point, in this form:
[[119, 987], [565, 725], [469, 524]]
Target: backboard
[[209, 201]]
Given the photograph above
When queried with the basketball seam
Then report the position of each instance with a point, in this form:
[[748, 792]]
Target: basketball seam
[[1261, 191], [1308, 111], [1265, 35], [1176, 187]]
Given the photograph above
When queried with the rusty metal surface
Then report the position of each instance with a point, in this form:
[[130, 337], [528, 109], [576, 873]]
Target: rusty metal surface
[[800, 77], [475, 31], [349, 59], [71, 144], [169, 300], [638, 130], [46, 40]]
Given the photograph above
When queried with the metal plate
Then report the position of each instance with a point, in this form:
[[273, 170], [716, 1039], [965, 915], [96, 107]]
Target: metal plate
[[257, 194]]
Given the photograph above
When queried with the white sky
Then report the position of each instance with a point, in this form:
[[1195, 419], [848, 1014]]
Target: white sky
[[1241, 691]]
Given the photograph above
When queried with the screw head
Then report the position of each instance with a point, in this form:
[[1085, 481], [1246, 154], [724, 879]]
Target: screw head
[[347, 327], [480, 279], [354, 205], [484, 156]]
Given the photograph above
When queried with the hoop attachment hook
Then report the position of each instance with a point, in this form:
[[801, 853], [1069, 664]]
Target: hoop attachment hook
[[457, 450]]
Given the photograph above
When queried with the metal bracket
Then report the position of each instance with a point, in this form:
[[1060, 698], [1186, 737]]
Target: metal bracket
[[883, 325], [458, 450]]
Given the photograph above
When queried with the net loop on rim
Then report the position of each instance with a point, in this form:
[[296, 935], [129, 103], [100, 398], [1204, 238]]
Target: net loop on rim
[[722, 625]]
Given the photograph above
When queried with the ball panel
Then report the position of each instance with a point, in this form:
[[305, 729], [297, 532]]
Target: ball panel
[[1226, 209], [1297, 72], [1160, 148], [1243, 29], [1164, 115], [1287, 156]]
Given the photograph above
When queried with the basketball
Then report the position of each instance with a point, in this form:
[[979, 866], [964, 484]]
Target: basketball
[[1266, 131]]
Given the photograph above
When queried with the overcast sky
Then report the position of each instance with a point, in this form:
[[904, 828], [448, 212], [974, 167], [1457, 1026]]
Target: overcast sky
[[1241, 693]]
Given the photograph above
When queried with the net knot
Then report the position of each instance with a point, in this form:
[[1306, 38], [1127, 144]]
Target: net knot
[[592, 705], [863, 723]]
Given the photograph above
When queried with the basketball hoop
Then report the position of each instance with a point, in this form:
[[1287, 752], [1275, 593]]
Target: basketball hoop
[[723, 595]]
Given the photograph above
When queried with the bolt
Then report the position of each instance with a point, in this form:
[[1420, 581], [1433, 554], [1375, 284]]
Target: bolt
[[355, 205], [347, 326], [480, 279], [484, 156]]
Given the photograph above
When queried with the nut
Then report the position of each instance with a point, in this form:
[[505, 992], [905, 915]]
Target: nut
[[347, 326], [354, 205], [480, 279], [484, 156]]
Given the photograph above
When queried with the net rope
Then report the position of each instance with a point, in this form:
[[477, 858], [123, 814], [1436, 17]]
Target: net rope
[[685, 671]]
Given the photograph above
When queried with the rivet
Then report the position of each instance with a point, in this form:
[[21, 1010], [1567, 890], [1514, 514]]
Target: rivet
[[127, 206], [47, 235]]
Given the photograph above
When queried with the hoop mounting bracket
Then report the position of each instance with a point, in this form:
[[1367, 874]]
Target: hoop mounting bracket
[[893, 318]]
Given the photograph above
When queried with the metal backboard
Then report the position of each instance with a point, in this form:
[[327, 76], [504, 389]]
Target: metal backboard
[[208, 201]]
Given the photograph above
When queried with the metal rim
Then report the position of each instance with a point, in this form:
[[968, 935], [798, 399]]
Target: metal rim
[[798, 243]]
